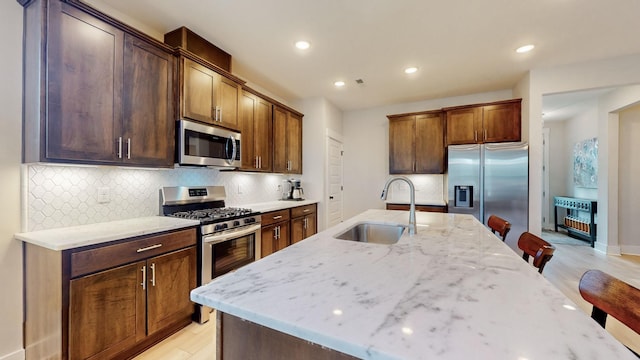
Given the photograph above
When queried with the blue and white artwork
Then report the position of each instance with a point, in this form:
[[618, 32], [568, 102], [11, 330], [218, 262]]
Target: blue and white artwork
[[585, 163]]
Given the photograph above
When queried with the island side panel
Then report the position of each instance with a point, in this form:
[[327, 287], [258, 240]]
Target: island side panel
[[43, 303], [237, 338]]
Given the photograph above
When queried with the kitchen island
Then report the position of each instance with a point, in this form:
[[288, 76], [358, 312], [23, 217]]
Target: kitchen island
[[452, 291]]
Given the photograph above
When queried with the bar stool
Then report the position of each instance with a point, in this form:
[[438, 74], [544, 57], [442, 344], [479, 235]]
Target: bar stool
[[499, 226], [611, 296], [534, 246]]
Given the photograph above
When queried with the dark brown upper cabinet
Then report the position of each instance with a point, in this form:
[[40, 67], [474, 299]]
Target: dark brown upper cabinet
[[256, 126], [416, 143], [287, 139], [207, 96], [93, 91], [484, 123]]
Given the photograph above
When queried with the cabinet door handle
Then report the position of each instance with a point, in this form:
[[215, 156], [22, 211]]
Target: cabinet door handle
[[260, 159], [153, 274], [144, 277], [148, 248], [119, 147], [484, 137], [475, 136], [128, 148], [305, 223], [277, 217], [220, 111]]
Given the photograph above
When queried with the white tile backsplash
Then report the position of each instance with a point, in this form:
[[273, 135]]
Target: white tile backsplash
[[59, 196], [429, 189]]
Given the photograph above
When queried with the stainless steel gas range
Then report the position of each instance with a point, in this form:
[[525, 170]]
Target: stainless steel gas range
[[229, 237]]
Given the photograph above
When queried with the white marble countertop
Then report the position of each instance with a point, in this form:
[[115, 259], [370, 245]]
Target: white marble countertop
[[277, 205], [76, 236], [452, 291]]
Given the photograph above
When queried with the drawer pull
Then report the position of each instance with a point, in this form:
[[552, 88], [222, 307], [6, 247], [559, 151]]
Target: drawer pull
[[149, 248], [277, 217], [306, 210]]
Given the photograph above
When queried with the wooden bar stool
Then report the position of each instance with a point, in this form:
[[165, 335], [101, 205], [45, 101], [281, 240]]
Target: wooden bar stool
[[499, 226], [611, 296], [534, 246]]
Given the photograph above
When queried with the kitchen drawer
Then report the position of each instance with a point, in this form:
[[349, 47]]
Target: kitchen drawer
[[275, 216], [303, 210], [104, 257]]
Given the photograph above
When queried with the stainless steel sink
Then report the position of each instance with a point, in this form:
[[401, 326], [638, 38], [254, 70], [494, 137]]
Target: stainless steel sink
[[373, 233]]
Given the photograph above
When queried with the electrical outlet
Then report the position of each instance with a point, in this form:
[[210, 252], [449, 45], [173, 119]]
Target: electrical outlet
[[239, 189], [279, 188], [104, 195]]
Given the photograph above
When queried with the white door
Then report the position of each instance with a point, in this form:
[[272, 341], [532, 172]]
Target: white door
[[334, 181]]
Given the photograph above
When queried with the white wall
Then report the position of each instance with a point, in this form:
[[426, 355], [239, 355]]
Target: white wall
[[10, 157], [366, 149], [629, 180], [320, 118], [559, 163], [614, 72], [581, 127]]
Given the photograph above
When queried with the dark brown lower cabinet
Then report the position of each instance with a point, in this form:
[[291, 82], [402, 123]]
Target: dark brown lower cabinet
[[303, 222], [108, 301], [241, 339]]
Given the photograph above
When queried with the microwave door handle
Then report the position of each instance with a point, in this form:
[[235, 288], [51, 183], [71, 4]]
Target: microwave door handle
[[235, 149]]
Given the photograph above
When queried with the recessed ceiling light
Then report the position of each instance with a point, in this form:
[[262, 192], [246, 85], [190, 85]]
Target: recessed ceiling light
[[525, 48], [410, 70], [339, 83], [303, 45]]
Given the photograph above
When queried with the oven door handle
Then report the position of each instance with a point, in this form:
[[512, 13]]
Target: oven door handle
[[218, 238]]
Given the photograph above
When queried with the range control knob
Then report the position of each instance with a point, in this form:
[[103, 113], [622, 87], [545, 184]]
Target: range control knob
[[236, 223]]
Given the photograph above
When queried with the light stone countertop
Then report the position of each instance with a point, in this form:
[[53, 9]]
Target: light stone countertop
[[452, 291], [277, 205], [76, 236]]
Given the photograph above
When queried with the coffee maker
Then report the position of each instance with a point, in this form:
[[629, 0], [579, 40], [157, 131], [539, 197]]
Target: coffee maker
[[297, 193], [292, 190]]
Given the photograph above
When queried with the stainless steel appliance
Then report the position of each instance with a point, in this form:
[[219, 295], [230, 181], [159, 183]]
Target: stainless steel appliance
[[204, 145], [229, 238], [490, 179], [297, 193]]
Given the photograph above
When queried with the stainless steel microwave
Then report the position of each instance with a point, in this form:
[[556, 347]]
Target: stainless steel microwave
[[207, 145]]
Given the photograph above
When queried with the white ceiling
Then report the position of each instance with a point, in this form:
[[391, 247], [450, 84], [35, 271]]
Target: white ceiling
[[460, 46]]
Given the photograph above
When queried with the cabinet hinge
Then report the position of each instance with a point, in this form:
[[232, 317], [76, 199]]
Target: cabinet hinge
[[341, 187], [341, 152]]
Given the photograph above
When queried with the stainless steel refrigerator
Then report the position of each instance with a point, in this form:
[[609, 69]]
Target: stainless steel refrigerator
[[491, 179]]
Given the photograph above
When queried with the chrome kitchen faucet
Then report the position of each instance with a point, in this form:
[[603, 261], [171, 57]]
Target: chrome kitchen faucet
[[412, 208]]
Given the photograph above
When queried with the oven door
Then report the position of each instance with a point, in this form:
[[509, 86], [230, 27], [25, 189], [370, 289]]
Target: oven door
[[205, 145], [227, 251]]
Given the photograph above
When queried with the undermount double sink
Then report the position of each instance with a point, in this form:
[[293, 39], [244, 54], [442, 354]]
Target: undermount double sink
[[374, 233]]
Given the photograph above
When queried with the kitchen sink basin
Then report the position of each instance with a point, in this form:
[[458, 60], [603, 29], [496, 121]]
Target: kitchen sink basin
[[373, 233]]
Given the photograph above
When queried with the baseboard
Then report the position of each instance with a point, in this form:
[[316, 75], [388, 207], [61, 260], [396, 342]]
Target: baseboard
[[16, 355], [630, 249]]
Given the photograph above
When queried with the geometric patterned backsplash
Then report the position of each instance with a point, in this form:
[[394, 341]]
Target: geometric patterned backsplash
[[59, 196]]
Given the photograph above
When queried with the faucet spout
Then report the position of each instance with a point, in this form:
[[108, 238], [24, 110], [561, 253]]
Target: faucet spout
[[412, 208]]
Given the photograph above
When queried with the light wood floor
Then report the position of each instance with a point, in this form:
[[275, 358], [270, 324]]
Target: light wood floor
[[571, 259]]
